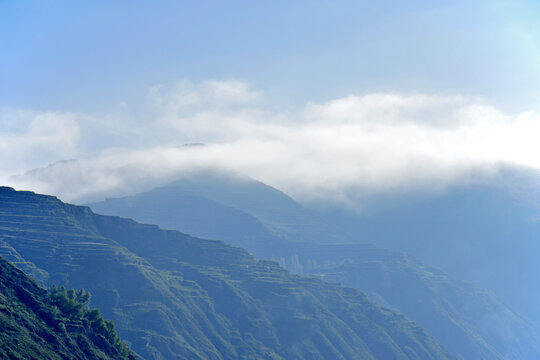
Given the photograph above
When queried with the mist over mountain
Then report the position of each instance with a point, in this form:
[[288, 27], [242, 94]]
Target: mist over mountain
[[270, 179], [179, 297], [484, 232], [470, 322], [276, 211]]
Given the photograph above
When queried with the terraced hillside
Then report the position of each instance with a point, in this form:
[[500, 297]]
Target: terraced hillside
[[33, 327], [470, 322], [178, 297]]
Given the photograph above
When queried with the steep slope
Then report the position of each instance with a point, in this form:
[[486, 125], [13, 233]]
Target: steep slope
[[178, 297], [175, 207], [484, 231], [32, 327], [471, 323], [283, 216]]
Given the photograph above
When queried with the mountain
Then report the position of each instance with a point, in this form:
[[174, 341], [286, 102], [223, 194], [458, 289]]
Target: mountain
[[484, 231], [36, 324], [175, 207], [469, 322], [280, 214], [174, 296]]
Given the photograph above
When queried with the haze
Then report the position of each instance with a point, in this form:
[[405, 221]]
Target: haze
[[340, 94]]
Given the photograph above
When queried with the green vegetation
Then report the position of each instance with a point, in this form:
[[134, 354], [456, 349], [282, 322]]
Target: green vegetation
[[72, 308], [469, 322], [36, 324], [173, 296]]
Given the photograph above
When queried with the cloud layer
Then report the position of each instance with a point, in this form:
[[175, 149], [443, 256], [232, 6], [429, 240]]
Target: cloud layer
[[27, 137], [375, 142]]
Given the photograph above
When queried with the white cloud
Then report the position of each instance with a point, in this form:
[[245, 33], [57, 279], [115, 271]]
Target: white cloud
[[229, 92], [185, 97], [376, 141], [197, 109], [387, 108], [29, 138]]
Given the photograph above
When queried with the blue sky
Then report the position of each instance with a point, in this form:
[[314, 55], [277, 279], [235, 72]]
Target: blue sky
[[379, 94], [92, 55]]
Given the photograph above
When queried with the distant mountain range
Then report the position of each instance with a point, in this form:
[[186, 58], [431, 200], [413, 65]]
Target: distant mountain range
[[175, 296], [469, 322], [485, 231]]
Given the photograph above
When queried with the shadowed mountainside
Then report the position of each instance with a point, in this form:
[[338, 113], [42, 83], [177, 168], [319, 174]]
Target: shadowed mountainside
[[471, 323], [484, 231], [178, 297], [33, 327]]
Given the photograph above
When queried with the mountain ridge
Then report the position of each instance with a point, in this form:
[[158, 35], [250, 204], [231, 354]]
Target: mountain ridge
[[165, 291], [180, 205]]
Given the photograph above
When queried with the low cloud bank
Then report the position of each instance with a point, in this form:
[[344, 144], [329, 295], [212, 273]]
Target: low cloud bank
[[376, 142]]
